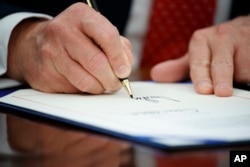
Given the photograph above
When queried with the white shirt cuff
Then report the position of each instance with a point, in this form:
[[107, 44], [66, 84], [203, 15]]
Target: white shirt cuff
[[7, 25]]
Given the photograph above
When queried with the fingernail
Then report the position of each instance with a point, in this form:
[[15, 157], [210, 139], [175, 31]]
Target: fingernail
[[223, 89], [205, 84], [123, 71], [205, 87], [223, 86]]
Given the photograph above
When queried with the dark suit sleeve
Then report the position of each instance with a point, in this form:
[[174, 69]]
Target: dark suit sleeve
[[52, 7], [240, 7], [117, 11], [6, 9]]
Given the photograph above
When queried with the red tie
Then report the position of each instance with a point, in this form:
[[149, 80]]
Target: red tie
[[171, 25]]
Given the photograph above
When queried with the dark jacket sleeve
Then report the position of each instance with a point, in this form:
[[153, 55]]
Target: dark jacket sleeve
[[239, 8], [6, 9], [117, 11], [50, 7]]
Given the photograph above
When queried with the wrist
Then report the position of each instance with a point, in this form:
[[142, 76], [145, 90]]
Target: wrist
[[22, 45]]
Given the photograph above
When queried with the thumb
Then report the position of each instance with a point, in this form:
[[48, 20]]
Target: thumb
[[171, 70]]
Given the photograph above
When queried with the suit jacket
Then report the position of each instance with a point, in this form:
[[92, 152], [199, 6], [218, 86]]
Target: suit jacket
[[117, 11]]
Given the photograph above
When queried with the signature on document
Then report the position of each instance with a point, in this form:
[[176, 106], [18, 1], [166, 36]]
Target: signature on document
[[155, 99]]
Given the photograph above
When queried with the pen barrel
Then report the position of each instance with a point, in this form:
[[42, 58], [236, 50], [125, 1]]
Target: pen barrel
[[93, 4]]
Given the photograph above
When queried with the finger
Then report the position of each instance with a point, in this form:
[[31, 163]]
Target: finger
[[92, 59], [77, 76], [199, 60], [222, 62], [60, 84], [107, 37], [128, 49], [242, 60], [171, 71]]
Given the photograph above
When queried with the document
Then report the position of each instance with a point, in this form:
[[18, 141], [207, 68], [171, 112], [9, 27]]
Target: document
[[165, 115]]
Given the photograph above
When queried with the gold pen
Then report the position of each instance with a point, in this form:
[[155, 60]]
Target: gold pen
[[125, 82], [92, 4]]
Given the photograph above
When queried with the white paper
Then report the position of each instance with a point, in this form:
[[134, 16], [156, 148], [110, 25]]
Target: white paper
[[172, 114]]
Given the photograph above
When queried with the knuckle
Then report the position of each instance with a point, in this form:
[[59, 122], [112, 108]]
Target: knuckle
[[198, 35], [49, 57], [54, 27], [64, 67], [110, 35], [127, 43], [87, 84], [200, 62], [46, 52], [84, 83], [222, 63], [97, 61], [225, 29]]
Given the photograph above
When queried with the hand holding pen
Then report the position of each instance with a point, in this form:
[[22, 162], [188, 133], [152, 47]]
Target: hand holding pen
[[125, 82], [78, 50]]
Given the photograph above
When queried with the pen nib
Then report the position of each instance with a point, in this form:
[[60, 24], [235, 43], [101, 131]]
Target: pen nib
[[126, 85]]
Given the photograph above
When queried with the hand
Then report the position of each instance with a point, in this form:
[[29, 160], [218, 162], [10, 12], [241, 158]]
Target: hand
[[78, 50], [217, 56]]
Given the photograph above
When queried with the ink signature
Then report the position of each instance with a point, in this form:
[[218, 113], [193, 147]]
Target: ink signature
[[155, 99]]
